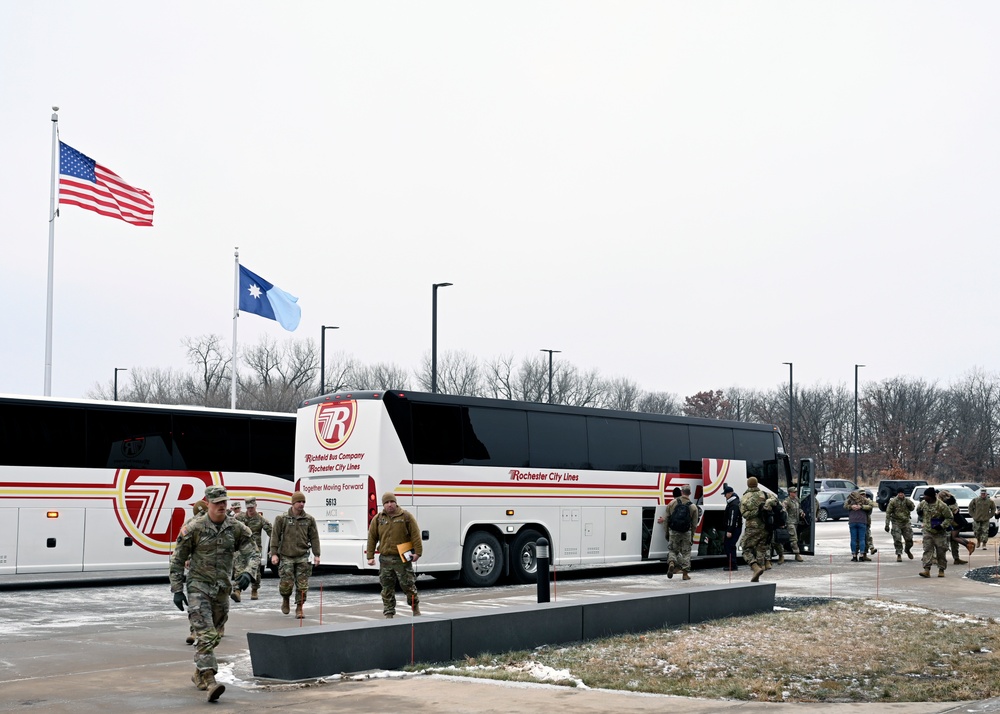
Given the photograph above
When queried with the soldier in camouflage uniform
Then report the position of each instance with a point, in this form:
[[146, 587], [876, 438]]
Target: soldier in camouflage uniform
[[869, 541], [897, 518], [981, 510], [793, 516], [255, 521], [756, 538], [210, 543], [198, 508], [679, 542], [390, 529], [295, 533], [936, 519]]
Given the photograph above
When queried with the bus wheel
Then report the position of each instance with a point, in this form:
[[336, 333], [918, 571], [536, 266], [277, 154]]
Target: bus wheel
[[523, 561], [482, 560]]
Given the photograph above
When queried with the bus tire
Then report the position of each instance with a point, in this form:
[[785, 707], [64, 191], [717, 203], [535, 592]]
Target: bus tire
[[482, 560], [523, 561]]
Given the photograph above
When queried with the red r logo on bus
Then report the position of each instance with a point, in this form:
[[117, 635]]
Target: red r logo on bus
[[335, 422], [151, 506]]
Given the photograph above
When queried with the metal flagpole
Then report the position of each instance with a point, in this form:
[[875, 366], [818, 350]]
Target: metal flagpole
[[236, 315], [52, 248]]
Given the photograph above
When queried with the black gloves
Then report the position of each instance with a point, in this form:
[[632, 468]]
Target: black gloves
[[180, 600], [886, 527], [244, 581]]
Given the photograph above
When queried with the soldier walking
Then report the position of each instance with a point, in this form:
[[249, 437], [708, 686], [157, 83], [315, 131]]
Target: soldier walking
[[389, 530], [756, 537], [210, 543], [897, 520], [256, 522], [793, 514], [981, 510], [680, 522], [936, 519], [294, 534]]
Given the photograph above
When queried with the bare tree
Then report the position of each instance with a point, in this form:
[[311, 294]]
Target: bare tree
[[458, 372], [210, 385], [498, 380], [379, 376], [622, 394], [658, 403]]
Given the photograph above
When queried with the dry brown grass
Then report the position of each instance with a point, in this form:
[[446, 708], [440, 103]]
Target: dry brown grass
[[842, 650]]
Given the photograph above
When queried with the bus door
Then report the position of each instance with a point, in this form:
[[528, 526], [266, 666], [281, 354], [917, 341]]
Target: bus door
[[807, 500]]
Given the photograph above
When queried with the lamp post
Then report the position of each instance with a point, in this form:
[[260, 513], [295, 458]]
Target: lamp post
[[117, 370], [322, 356], [791, 412], [434, 335], [550, 371], [856, 421]]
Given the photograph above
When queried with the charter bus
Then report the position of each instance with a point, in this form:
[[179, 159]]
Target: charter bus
[[102, 486], [486, 478]]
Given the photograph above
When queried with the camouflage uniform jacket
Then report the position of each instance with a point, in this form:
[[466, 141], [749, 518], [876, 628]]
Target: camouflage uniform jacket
[[931, 511], [211, 548], [793, 511], [898, 511], [256, 524], [750, 505], [293, 535], [390, 531], [982, 509]]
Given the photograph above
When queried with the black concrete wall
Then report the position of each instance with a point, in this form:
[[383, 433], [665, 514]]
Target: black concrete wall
[[310, 652]]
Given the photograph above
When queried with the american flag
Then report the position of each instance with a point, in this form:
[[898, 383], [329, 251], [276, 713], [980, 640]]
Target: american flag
[[85, 183]]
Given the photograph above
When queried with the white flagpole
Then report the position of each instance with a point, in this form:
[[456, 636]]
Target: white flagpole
[[236, 315], [52, 250]]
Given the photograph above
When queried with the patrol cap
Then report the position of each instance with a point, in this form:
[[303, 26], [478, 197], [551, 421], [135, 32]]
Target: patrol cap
[[388, 496], [251, 503], [237, 506], [298, 496], [982, 490], [216, 494], [752, 482]]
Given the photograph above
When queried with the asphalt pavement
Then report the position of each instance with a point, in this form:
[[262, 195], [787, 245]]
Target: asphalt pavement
[[120, 648]]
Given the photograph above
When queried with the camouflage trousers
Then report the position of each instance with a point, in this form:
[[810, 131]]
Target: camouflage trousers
[[902, 534], [679, 549], [869, 543], [756, 545], [935, 549], [293, 572], [207, 614], [982, 531], [393, 570]]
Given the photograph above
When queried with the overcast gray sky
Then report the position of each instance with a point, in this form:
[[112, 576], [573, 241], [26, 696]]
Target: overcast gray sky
[[685, 194]]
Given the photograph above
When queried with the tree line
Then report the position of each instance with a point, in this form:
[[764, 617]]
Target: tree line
[[904, 425]]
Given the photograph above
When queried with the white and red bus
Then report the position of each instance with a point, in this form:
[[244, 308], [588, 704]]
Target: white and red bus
[[106, 486], [486, 478]]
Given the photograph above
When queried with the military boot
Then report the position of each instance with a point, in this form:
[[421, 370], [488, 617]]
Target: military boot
[[909, 553], [926, 572], [284, 604], [959, 561], [416, 608], [253, 594], [757, 570], [899, 558], [235, 595], [798, 557], [299, 602], [215, 689], [940, 573], [686, 576], [198, 680], [767, 564], [781, 557]]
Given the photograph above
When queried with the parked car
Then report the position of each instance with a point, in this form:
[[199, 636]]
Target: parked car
[[888, 488], [994, 493], [971, 485], [962, 497], [835, 484], [831, 505]]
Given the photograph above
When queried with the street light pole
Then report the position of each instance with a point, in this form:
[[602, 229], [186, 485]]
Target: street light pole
[[117, 370], [550, 371], [856, 421], [434, 336], [791, 413], [322, 356]]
